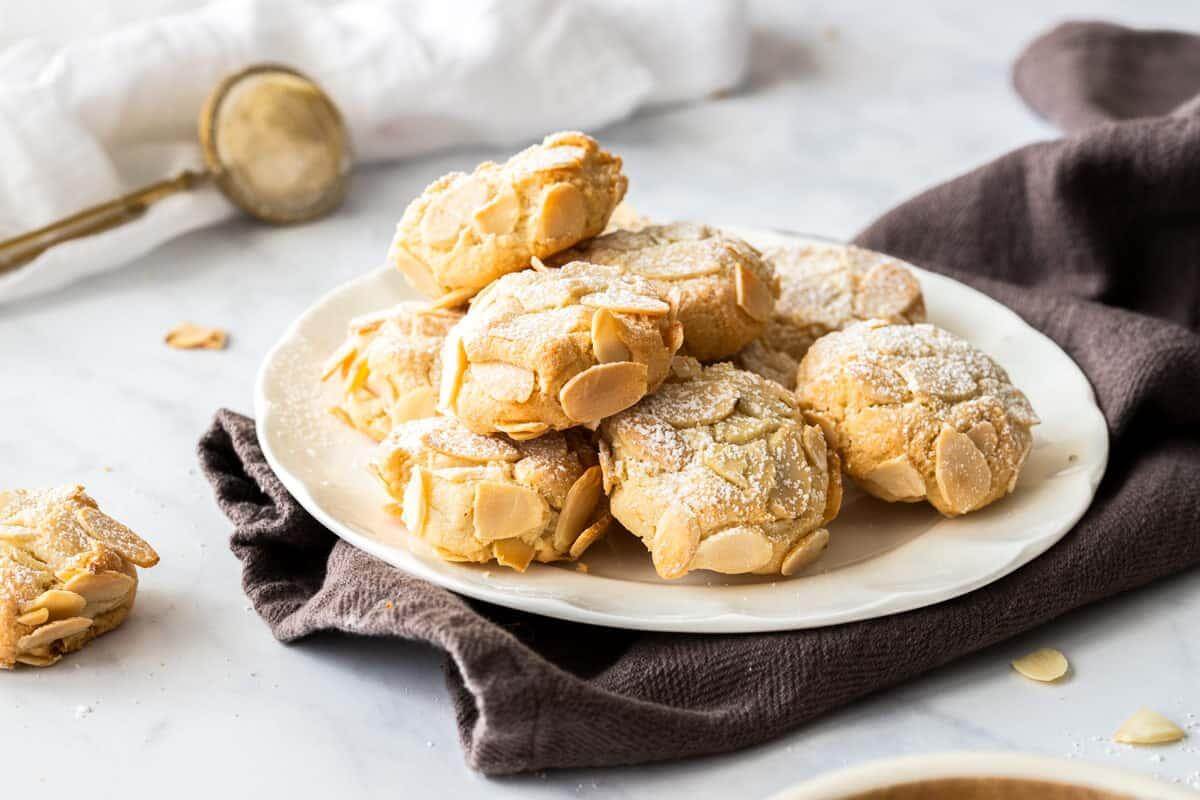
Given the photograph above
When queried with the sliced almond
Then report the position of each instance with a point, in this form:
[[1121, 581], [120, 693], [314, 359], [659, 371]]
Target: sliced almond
[[450, 555], [590, 535], [415, 270], [454, 365], [603, 390], [101, 588], [414, 509], [186, 336], [418, 403], [753, 296], [522, 431], [677, 269], [1148, 727], [104, 528], [895, 480], [887, 291], [562, 217], [339, 361], [676, 538], [500, 216], [1046, 665], [733, 551], [451, 210], [674, 337], [341, 414], [805, 552], [451, 299], [650, 439], [961, 471], [52, 632], [607, 466], [356, 376], [513, 553], [577, 508], [537, 265], [692, 403], [37, 660], [984, 435], [729, 465], [741, 429], [59, 602], [34, 618], [505, 383], [505, 510], [456, 441], [833, 489], [625, 301], [607, 339]]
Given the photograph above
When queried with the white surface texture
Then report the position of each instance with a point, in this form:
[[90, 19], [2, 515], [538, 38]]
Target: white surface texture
[[849, 109], [883, 559]]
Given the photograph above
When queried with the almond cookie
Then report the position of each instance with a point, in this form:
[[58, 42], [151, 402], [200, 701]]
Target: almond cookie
[[67, 573], [826, 287], [465, 231], [388, 366], [477, 498], [726, 290], [917, 414], [717, 470], [549, 350]]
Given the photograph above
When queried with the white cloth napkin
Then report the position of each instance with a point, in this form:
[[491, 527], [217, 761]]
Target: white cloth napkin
[[85, 122]]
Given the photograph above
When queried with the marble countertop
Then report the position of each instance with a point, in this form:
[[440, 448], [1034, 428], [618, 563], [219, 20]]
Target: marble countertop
[[848, 110]]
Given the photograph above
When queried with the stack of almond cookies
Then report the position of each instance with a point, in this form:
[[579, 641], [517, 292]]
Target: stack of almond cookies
[[670, 378]]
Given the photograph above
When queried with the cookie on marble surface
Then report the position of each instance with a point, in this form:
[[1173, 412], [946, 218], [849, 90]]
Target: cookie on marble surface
[[824, 288], [465, 231], [717, 470], [388, 366], [917, 413], [549, 350], [726, 290], [478, 498], [67, 573]]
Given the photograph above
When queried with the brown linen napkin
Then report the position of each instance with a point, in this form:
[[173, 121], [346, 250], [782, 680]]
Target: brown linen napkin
[[1094, 239]]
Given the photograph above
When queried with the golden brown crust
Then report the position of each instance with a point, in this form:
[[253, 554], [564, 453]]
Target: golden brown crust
[[388, 366], [465, 231], [824, 288], [541, 351], [726, 291], [917, 414], [67, 573], [718, 471], [481, 498]]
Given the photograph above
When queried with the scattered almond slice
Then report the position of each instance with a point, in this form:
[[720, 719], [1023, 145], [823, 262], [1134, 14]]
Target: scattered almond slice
[[1148, 727], [1046, 665], [186, 336], [451, 299]]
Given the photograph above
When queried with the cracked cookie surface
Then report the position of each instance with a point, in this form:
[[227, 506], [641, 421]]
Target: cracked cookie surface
[[824, 288], [718, 471], [67, 573], [549, 350], [726, 291], [917, 413], [477, 498], [388, 366], [467, 230]]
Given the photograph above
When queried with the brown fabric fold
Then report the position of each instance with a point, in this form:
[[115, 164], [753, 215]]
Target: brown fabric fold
[[1094, 239]]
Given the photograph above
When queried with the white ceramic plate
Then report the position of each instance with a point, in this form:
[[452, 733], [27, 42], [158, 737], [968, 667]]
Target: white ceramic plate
[[1006, 768], [883, 558]]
